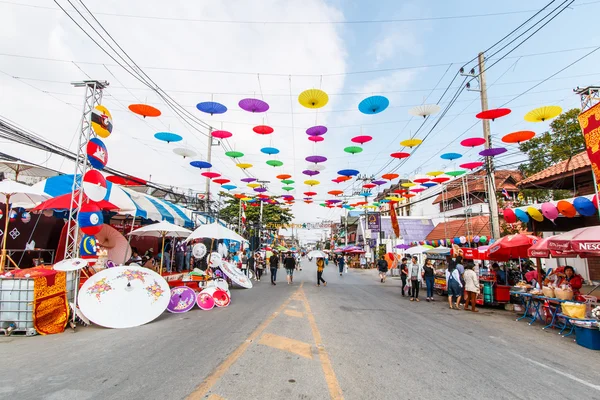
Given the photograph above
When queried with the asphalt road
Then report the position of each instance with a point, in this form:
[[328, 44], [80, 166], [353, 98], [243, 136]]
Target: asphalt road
[[354, 339]]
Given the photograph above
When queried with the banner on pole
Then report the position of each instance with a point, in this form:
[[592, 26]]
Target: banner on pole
[[374, 221], [589, 121]]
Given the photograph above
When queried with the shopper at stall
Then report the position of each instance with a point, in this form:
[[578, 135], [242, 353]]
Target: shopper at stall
[[180, 249], [569, 277], [404, 273], [500, 275], [382, 266], [416, 276], [429, 276], [320, 269], [472, 288], [273, 265], [289, 264], [453, 284]]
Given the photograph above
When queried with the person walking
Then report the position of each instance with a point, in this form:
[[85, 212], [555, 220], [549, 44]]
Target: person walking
[[363, 262], [382, 266], [416, 276], [453, 284], [289, 264], [320, 268], [252, 264], [260, 266], [340, 263], [472, 288], [244, 264], [273, 265], [429, 276], [404, 274], [180, 249]]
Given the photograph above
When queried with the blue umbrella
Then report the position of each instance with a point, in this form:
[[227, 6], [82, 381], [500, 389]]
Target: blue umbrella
[[522, 215], [373, 105], [584, 206], [201, 164], [450, 156], [269, 150], [365, 194], [348, 172], [211, 107], [168, 137], [428, 184], [229, 187]]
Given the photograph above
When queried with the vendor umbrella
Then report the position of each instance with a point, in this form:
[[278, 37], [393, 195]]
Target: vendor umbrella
[[20, 168], [513, 246], [161, 230], [63, 202], [582, 241]]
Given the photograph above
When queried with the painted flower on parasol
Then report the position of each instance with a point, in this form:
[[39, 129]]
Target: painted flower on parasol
[[493, 113], [542, 114], [492, 151], [353, 149], [450, 156], [316, 130], [274, 163], [518, 137], [373, 105], [471, 165], [168, 137], [348, 172], [221, 134], [183, 152], [234, 154], [201, 164], [424, 110], [211, 107], [253, 105], [400, 155], [144, 110], [411, 142], [313, 98], [263, 129], [472, 142]]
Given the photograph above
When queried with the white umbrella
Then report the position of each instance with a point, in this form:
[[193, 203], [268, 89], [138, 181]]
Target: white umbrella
[[215, 231], [316, 254], [417, 250], [21, 195], [162, 229], [23, 168], [439, 250]]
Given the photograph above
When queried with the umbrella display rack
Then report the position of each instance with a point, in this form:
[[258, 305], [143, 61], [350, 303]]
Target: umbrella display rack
[[16, 303]]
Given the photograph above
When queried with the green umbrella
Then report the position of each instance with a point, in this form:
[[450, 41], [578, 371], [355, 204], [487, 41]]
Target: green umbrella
[[287, 181], [353, 149], [234, 154], [274, 163], [458, 172], [287, 188]]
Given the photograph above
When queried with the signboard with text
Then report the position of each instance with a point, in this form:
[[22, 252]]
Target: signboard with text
[[374, 222]]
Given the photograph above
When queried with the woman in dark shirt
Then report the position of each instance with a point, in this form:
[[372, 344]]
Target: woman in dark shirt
[[429, 275]]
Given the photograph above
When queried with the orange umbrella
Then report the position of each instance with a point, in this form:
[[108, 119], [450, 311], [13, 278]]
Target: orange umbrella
[[283, 176], [390, 177], [344, 178], [567, 209], [518, 136], [335, 192], [145, 110]]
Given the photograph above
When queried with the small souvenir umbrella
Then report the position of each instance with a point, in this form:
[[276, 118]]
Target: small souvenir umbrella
[[362, 139], [450, 156], [493, 113], [182, 300], [263, 129], [221, 134], [518, 137], [411, 142], [400, 155], [313, 98], [542, 114], [353, 149], [234, 154], [144, 110], [201, 164], [316, 130], [373, 105], [253, 105], [168, 137], [183, 152], [424, 110], [472, 142], [211, 107]]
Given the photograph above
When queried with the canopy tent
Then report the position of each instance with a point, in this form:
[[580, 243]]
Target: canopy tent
[[418, 249]]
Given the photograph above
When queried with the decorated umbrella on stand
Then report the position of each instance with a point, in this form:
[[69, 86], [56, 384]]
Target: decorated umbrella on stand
[[20, 168]]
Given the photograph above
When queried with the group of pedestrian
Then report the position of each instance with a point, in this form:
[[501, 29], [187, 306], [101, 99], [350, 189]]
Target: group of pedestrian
[[462, 278]]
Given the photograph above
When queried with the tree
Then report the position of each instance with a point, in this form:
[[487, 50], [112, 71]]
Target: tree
[[273, 214]]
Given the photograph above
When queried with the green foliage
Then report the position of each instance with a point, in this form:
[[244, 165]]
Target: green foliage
[[273, 215]]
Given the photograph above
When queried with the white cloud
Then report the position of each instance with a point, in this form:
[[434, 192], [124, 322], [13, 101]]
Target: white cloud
[[396, 44]]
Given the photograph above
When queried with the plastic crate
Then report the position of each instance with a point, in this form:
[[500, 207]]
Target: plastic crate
[[503, 293], [588, 338]]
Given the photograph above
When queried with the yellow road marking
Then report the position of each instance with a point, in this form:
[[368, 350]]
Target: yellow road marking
[[210, 381], [215, 397], [294, 313], [286, 344], [335, 391]]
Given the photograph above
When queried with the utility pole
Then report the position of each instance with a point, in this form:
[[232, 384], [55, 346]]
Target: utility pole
[[208, 159]]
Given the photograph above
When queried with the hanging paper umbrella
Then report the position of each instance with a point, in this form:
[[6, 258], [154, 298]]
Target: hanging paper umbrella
[[253, 105], [550, 211], [287, 181], [400, 155], [144, 110], [274, 163], [316, 159], [379, 183], [535, 214], [542, 114], [390, 177], [408, 184], [260, 189], [316, 167], [263, 129], [492, 152], [269, 150], [409, 195], [472, 142], [308, 201], [183, 152], [362, 139], [521, 215], [168, 137], [334, 201], [373, 105], [310, 193], [435, 173], [229, 187], [244, 165], [253, 185], [353, 149], [311, 182], [316, 138], [344, 178], [336, 180], [472, 165], [247, 180], [348, 172], [440, 179], [518, 137], [221, 134], [211, 107], [126, 181], [421, 179], [316, 130], [411, 142], [313, 98], [584, 206], [424, 110], [428, 184], [418, 189], [310, 172], [234, 154], [210, 174], [455, 173], [201, 164], [369, 185], [509, 216], [335, 192], [283, 176], [287, 188], [450, 156], [493, 113], [221, 181]]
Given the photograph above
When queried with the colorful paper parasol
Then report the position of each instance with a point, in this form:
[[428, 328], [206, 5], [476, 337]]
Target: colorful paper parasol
[[362, 139], [335, 192], [126, 181], [348, 172], [144, 110], [344, 178], [283, 176], [253, 185], [379, 183], [435, 173], [440, 179], [248, 180], [455, 172], [313, 98], [311, 182], [244, 165], [310, 172], [565, 208], [472, 142], [418, 189], [400, 155], [493, 113], [369, 185], [168, 137], [310, 193], [428, 184], [450, 156], [411, 142], [472, 165], [316, 130], [210, 174], [542, 114], [287, 181], [316, 159], [201, 164], [253, 105], [263, 129], [221, 134], [353, 149], [211, 107], [183, 299], [260, 189], [234, 154], [221, 181], [274, 163], [287, 188], [183, 152], [424, 110], [316, 138], [373, 105], [269, 150], [421, 179], [229, 187], [390, 177], [492, 152], [205, 301], [408, 184], [518, 137]]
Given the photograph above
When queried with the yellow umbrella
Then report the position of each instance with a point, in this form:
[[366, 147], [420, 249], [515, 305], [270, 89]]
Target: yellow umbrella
[[408, 184], [535, 214], [411, 142], [244, 165], [435, 173], [543, 113], [311, 182], [246, 198], [313, 98], [396, 198], [253, 185]]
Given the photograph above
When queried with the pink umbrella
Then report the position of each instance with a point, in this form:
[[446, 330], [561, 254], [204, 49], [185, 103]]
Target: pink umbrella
[[582, 241], [115, 244], [550, 211]]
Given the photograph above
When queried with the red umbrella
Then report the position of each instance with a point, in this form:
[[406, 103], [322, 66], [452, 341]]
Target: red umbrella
[[541, 250], [513, 246], [63, 202], [583, 241]]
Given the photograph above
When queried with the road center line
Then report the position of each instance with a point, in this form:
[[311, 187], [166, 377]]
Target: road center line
[[222, 368], [556, 371]]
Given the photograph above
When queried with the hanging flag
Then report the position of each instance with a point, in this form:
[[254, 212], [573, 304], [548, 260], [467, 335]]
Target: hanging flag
[[505, 194], [394, 218], [589, 121], [243, 213]]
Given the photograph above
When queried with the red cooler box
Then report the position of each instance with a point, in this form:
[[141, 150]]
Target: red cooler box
[[503, 293]]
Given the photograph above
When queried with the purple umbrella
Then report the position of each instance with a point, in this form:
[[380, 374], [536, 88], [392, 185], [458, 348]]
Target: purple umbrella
[[316, 159], [316, 130], [248, 180], [310, 172], [491, 152], [182, 300], [379, 182], [334, 201], [260, 189], [253, 105], [403, 246]]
